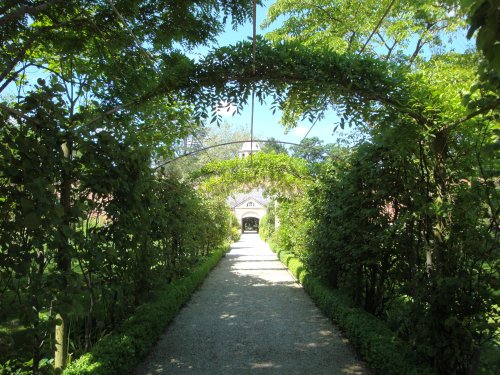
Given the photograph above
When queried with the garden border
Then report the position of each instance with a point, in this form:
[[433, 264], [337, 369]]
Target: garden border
[[378, 346], [130, 342]]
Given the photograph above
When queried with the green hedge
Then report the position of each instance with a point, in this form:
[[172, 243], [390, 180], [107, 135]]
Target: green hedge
[[122, 350], [381, 349]]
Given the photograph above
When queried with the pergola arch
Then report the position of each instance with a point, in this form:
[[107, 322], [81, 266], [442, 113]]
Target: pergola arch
[[280, 175], [187, 154], [304, 81]]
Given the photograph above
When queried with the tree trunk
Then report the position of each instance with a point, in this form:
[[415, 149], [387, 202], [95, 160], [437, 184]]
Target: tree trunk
[[38, 338], [64, 259], [90, 315], [36, 353], [441, 224]]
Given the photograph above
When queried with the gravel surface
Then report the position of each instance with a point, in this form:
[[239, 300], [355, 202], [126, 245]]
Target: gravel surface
[[250, 316]]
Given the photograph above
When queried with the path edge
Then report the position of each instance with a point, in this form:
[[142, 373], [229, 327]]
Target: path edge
[[376, 344], [125, 347]]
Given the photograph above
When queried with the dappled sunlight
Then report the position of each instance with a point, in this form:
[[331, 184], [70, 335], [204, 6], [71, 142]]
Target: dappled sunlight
[[270, 275], [250, 258], [227, 316], [260, 263], [353, 370], [178, 363], [250, 315], [264, 365]]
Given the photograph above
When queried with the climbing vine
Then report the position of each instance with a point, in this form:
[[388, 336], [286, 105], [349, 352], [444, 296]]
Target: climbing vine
[[281, 175], [407, 224]]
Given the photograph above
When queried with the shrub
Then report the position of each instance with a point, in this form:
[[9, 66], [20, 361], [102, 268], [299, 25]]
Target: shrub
[[122, 350], [382, 350]]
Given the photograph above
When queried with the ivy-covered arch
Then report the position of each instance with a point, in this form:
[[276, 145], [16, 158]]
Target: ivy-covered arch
[[280, 175], [306, 81], [301, 80]]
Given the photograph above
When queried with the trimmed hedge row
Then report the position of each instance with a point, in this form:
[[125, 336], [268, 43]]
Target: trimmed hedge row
[[382, 350], [121, 351]]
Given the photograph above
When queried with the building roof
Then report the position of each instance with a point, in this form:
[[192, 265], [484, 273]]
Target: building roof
[[239, 198]]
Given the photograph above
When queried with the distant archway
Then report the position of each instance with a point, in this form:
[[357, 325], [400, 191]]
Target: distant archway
[[250, 224]]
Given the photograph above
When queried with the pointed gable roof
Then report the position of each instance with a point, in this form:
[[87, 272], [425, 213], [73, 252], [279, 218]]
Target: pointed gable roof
[[240, 198], [243, 204]]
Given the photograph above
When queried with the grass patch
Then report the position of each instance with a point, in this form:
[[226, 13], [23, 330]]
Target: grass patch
[[15, 341]]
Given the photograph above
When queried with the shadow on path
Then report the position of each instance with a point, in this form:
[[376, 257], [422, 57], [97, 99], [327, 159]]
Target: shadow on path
[[250, 316]]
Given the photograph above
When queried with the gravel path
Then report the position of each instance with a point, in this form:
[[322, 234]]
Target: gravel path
[[250, 316]]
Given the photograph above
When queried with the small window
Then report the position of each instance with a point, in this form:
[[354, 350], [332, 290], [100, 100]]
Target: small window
[[250, 204]]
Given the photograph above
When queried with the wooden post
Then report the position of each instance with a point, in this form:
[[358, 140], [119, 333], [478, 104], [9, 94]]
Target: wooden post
[[61, 345]]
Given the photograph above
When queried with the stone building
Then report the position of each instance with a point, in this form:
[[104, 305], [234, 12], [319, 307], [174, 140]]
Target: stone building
[[250, 207]]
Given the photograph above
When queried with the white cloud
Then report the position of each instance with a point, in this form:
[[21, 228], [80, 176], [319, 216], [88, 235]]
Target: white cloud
[[226, 109], [300, 131]]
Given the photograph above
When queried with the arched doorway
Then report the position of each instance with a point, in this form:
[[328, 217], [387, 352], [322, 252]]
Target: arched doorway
[[250, 224]]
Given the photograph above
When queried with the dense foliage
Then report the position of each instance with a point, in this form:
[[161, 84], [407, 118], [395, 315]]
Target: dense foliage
[[87, 227], [280, 175], [392, 30], [128, 230], [122, 350], [406, 224], [95, 92]]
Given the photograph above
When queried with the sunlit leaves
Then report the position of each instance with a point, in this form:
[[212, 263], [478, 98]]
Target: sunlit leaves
[[279, 174], [483, 18], [390, 29]]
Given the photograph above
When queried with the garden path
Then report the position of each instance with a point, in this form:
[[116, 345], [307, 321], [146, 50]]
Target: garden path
[[250, 316]]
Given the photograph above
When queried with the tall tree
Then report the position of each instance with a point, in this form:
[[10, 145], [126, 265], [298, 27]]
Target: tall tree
[[392, 30], [273, 146]]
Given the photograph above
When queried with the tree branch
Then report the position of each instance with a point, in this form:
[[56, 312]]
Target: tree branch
[[13, 76], [17, 113], [112, 111], [129, 30], [378, 25], [383, 40], [326, 13], [24, 10], [478, 112], [20, 55]]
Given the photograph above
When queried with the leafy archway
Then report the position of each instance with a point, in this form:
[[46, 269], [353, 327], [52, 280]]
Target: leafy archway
[[302, 81], [280, 175], [424, 124]]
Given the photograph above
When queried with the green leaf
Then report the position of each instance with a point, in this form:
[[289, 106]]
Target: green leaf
[[32, 220]]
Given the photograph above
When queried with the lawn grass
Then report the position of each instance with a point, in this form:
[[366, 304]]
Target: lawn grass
[[15, 341]]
